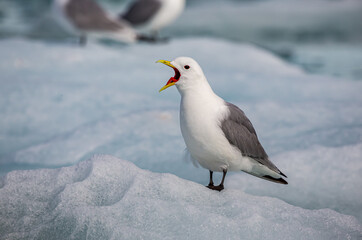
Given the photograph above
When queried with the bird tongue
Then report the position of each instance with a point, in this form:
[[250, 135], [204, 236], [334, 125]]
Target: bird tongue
[[176, 77], [171, 80]]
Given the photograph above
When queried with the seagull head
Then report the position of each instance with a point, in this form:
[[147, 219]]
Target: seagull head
[[188, 73]]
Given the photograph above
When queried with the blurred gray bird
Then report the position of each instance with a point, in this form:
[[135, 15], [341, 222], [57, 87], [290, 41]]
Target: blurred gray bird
[[83, 17], [152, 15], [217, 134]]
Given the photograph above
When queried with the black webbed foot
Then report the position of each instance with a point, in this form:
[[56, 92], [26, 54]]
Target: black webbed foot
[[211, 183], [152, 39], [216, 188], [82, 40]]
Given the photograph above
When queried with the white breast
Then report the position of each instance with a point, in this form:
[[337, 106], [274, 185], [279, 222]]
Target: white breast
[[170, 10], [59, 15], [200, 118]]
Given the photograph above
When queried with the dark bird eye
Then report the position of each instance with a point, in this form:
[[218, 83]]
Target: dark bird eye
[[186, 66]]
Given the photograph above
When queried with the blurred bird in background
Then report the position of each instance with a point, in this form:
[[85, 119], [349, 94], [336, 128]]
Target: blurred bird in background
[[150, 16], [85, 17]]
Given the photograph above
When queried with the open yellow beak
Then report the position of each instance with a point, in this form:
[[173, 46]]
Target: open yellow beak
[[168, 63], [172, 80]]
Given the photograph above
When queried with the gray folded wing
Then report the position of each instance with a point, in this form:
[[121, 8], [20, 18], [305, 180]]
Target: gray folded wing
[[240, 132], [88, 15], [141, 11]]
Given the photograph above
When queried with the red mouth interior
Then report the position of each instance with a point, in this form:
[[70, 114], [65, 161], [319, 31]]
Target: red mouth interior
[[174, 78]]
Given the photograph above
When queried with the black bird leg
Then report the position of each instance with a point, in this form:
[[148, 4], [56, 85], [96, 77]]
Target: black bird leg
[[82, 40], [211, 183], [151, 38], [219, 187]]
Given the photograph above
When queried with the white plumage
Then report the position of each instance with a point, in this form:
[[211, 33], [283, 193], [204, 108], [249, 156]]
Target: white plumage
[[84, 17], [217, 134], [153, 15]]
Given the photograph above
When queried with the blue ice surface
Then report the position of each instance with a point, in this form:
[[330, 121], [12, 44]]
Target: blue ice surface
[[61, 104], [109, 198]]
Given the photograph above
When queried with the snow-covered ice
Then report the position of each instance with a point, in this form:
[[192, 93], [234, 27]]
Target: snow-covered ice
[[319, 177], [109, 198], [60, 104], [52, 94]]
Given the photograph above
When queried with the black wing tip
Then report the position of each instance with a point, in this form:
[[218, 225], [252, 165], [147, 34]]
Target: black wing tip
[[282, 181], [280, 172], [122, 17], [276, 180]]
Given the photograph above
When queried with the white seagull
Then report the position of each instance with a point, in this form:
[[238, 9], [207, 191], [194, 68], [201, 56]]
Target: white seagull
[[153, 15], [82, 17], [217, 134]]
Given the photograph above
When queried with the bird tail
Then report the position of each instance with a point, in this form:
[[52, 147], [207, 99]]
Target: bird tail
[[267, 170], [124, 32], [127, 34], [270, 178]]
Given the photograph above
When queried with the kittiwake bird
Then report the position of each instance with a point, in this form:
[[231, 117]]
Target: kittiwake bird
[[217, 133], [83, 17], [153, 15]]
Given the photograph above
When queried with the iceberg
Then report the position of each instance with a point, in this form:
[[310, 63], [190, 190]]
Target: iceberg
[[109, 198], [61, 104], [320, 177]]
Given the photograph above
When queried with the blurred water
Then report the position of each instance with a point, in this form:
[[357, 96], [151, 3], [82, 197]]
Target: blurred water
[[289, 28]]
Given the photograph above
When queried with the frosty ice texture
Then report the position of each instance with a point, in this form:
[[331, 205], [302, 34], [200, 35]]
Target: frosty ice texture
[[61, 104], [109, 198]]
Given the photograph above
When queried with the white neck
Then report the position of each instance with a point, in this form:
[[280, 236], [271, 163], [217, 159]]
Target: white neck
[[199, 87]]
